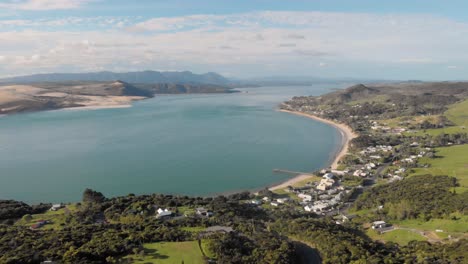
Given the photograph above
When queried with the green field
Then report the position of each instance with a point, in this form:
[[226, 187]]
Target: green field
[[170, 253], [458, 114], [452, 161], [57, 218], [451, 226], [401, 237]]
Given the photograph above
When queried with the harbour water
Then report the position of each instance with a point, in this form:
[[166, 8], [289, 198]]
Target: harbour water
[[180, 144]]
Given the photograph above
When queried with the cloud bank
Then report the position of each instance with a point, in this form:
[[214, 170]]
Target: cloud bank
[[258, 43]]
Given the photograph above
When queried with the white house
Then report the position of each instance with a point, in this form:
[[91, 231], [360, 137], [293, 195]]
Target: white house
[[305, 197], [378, 224], [256, 202], [56, 207], [203, 212], [164, 213], [325, 184], [320, 206], [282, 200]]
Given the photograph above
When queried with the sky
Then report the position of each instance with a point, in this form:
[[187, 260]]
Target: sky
[[371, 39]]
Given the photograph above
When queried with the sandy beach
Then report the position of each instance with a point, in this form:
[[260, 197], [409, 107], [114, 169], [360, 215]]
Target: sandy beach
[[346, 135]]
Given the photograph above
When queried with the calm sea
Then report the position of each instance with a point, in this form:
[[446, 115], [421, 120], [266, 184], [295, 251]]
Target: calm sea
[[179, 144]]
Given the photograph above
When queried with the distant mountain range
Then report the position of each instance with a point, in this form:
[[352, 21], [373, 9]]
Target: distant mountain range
[[181, 78], [144, 77]]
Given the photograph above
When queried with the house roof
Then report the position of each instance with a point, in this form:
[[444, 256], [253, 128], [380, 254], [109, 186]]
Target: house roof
[[225, 229], [165, 213]]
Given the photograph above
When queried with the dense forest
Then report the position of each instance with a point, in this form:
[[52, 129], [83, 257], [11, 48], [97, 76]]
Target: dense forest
[[421, 196], [259, 236]]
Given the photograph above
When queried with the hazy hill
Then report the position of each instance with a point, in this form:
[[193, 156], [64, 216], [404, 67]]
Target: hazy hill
[[398, 91], [146, 77], [382, 101], [17, 98], [174, 88], [117, 88]]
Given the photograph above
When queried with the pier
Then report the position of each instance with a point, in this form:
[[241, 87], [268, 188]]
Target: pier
[[292, 173]]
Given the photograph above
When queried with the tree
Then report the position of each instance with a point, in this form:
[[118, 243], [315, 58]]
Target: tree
[[91, 196]]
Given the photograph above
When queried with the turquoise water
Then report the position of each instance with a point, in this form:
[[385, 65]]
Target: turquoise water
[[179, 144]]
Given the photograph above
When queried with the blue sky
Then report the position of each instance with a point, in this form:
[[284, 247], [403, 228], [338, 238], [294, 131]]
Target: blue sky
[[397, 39]]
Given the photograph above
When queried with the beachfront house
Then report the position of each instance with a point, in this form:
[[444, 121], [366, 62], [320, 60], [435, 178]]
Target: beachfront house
[[326, 184], [329, 176]]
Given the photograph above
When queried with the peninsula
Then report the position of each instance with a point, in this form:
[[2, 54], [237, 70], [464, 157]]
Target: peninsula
[[99, 90]]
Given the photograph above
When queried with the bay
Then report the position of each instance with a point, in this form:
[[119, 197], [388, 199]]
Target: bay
[[179, 144]]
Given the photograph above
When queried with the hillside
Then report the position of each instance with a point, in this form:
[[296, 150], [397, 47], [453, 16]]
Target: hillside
[[48, 96], [37, 96], [383, 101], [146, 77], [409, 159], [174, 88]]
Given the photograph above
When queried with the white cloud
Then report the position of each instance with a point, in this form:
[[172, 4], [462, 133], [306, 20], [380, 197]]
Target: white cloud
[[41, 5], [68, 22], [264, 41], [452, 67]]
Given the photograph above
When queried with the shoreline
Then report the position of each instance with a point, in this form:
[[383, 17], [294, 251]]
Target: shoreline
[[346, 135], [94, 107]]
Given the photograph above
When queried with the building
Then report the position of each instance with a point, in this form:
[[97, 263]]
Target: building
[[329, 176], [39, 224], [282, 200], [379, 224], [318, 206], [219, 229], [347, 218], [256, 202], [305, 197], [326, 184], [203, 212], [164, 213], [56, 207]]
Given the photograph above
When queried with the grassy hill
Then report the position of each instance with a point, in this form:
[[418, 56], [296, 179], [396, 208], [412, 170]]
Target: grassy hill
[[458, 114], [169, 253], [452, 161]]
